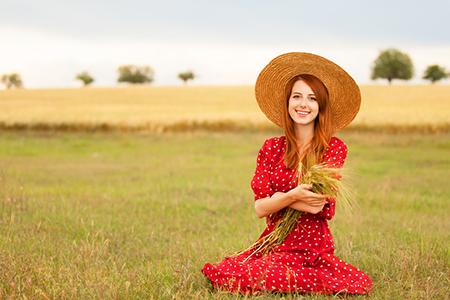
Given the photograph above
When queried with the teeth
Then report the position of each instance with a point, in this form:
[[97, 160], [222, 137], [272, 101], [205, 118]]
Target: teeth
[[302, 113]]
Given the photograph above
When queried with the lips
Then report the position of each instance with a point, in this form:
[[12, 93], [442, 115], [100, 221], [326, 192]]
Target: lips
[[302, 113]]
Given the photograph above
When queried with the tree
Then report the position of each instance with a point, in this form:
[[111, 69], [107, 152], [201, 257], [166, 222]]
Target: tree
[[392, 64], [11, 80], [435, 73], [85, 77], [186, 76], [135, 74]]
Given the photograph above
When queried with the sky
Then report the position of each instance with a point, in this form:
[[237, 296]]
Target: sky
[[222, 42]]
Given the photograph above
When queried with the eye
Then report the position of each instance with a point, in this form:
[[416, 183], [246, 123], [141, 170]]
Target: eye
[[313, 98]]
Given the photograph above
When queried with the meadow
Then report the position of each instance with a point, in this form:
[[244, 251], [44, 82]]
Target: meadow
[[125, 193], [392, 109], [136, 216]]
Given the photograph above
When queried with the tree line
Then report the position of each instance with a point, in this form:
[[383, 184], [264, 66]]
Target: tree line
[[127, 73], [134, 74], [390, 64]]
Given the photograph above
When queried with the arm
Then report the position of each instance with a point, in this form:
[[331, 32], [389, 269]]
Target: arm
[[299, 198]]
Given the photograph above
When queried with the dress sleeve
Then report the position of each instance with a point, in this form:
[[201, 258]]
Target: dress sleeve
[[261, 184], [334, 157]]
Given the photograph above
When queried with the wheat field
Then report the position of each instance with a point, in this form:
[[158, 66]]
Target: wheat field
[[136, 108]]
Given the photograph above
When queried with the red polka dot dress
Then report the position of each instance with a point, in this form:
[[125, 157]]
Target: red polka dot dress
[[305, 261]]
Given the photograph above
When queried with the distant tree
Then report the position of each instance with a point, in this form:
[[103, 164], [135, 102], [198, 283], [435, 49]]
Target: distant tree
[[435, 73], [392, 64], [85, 77], [189, 75], [135, 74], [11, 80]]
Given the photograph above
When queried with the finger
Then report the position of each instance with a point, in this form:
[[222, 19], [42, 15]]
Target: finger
[[318, 196], [317, 202], [306, 186], [320, 201]]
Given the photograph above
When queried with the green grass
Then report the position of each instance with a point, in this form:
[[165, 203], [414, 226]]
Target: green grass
[[134, 216]]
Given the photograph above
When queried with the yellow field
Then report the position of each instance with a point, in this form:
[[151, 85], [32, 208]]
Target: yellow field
[[423, 108]]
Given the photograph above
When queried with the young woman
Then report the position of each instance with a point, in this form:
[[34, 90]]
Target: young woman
[[311, 98]]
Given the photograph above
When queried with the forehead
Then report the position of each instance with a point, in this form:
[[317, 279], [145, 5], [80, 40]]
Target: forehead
[[301, 87]]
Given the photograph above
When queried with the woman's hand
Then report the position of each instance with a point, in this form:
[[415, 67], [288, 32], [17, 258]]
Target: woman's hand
[[303, 194]]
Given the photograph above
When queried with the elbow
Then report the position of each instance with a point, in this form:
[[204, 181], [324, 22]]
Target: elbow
[[259, 213], [260, 216]]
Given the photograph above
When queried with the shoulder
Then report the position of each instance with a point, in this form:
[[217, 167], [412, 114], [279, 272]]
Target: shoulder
[[336, 151], [337, 144], [274, 144], [272, 150]]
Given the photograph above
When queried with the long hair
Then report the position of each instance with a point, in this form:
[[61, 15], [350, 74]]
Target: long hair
[[322, 125]]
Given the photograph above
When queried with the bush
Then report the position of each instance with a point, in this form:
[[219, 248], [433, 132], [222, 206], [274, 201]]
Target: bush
[[135, 74], [189, 75], [11, 80], [85, 77]]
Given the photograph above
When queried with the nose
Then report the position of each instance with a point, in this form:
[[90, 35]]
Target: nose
[[302, 102]]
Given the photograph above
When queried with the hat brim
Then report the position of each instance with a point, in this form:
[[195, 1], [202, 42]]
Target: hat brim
[[344, 93]]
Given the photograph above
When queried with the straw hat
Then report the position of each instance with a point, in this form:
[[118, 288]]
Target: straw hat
[[344, 94]]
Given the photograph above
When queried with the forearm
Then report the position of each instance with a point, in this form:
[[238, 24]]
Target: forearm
[[301, 206], [267, 206]]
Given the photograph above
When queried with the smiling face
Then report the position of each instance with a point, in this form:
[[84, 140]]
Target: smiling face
[[303, 106]]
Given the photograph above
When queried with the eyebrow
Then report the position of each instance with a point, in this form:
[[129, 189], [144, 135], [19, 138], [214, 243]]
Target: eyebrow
[[301, 93]]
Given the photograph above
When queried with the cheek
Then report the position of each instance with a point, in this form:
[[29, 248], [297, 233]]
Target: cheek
[[291, 106], [291, 112], [316, 107], [289, 103]]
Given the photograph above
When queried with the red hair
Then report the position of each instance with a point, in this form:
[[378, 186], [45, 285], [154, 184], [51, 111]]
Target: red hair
[[322, 124]]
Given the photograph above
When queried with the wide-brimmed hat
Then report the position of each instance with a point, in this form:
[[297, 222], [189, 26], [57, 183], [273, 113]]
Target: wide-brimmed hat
[[344, 94]]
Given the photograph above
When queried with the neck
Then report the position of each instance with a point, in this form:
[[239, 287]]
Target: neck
[[304, 135]]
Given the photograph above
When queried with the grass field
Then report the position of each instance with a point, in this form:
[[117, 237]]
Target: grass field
[[136, 216], [384, 108]]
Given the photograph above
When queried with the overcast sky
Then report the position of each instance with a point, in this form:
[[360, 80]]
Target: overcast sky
[[223, 42]]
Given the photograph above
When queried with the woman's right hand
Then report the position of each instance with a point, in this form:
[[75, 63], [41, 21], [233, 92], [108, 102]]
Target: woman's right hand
[[302, 193]]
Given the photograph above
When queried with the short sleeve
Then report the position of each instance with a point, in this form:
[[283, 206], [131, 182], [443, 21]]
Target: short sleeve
[[334, 157], [261, 184]]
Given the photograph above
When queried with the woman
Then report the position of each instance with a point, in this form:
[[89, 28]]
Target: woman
[[311, 98]]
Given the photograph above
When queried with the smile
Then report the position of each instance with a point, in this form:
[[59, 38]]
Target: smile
[[302, 113]]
